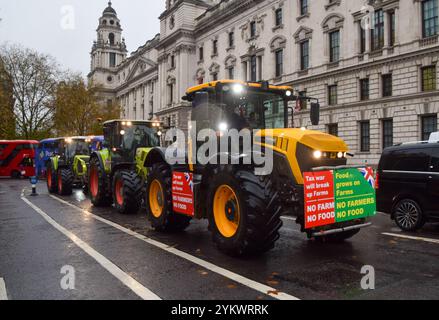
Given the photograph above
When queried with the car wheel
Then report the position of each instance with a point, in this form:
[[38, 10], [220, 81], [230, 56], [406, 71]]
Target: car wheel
[[408, 215]]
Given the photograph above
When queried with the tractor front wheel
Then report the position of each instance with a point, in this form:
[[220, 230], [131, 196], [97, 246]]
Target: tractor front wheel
[[244, 211], [51, 179], [127, 192], [97, 185], [65, 182], [159, 201]]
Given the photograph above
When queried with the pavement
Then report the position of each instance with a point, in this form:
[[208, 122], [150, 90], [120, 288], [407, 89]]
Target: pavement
[[49, 241]]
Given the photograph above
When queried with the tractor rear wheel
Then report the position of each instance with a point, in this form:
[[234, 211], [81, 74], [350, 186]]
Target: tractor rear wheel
[[97, 185], [127, 192], [51, 181], [159, 201], [244, 211], [65, 182]]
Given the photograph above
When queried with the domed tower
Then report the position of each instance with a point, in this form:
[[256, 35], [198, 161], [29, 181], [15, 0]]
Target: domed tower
[[108, 51]]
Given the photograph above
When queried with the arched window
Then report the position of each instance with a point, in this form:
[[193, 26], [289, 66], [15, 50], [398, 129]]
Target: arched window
[[111, 38]]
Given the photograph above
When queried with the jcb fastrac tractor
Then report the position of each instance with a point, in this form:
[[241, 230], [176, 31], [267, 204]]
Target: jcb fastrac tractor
[[243, 208], [117, 172], [69, 165]]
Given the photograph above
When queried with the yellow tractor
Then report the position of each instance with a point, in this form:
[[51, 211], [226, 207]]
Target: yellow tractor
[[244, 208]]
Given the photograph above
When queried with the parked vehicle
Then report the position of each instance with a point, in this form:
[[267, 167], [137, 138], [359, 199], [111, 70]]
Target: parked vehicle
[[408, 183], [17, 158]]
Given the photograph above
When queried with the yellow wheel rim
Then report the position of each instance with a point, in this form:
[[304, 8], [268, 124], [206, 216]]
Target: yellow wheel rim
[[156, 198], [226, 211]]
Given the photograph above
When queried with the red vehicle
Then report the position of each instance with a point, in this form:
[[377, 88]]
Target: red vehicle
[[17, 158]]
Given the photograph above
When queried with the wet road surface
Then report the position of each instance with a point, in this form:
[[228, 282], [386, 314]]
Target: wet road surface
[[120, 257]]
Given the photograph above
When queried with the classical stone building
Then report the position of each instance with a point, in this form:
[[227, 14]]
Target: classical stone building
[[371, 64]]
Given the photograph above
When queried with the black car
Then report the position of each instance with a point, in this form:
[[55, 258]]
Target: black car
[[408, 184]]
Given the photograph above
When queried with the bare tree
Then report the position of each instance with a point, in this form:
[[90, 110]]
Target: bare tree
[[7, 120], [34, 77]]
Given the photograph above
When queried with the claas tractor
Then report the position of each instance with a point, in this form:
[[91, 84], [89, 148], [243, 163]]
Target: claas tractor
[[116, 172], [68, 166], [243, 208]]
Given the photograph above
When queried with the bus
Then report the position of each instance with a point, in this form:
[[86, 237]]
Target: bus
[[17, 158]]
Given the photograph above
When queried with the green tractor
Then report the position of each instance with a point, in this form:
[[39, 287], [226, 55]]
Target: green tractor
[[69, 166], [117, 173]]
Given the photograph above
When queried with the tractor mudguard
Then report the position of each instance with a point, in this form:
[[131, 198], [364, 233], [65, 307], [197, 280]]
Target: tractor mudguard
[[141, 155], [55, 162], [155, 155], [104, 160], [80, 166]]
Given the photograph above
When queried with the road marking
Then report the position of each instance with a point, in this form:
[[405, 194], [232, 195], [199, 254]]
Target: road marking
[[272, 292], [3, 293], [412, 238], [127, 280], [289, 218]]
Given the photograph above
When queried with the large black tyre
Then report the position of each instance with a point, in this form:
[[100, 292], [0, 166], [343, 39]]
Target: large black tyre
[[99, 195], [158, 201], [408, 215], [338, 237], [51, 179], [65, 182], [257, 202], [127, 192]]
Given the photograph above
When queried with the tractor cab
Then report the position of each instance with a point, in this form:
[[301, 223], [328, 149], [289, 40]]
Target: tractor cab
[[124, 137], [73, 146]]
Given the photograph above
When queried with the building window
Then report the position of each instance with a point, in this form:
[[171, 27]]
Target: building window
[[304, 55], [429, 125], [111, 38], [201, 53], [387, 133], [252, 29], [231, 39], [112, 60], [279, 62], [377, 33], [172, 61], [279, 17], [215, 47], [170, 93], [428, 78], [332, 95], [253, 68], [215, 76], [334, 46], [303, 103], [429, 18], [365, 136], [303, 7], [362, 39], [364, 89], [231, 71], [387, 84], [392, 28], [333, 129]]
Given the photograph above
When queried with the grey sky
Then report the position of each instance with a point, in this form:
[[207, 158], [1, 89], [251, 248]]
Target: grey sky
[[37, 24]]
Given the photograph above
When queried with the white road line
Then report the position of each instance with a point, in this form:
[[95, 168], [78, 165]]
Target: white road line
[[272, 292], [127, 280], [411, 237], [289, 218], [3, 293]]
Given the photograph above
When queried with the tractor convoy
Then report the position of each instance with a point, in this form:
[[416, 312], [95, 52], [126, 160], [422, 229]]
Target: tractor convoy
[[243, 205]]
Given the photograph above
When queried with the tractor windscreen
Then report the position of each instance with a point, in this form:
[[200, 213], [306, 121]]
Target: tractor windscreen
[[77, 147], [139, 136], [254, 109]]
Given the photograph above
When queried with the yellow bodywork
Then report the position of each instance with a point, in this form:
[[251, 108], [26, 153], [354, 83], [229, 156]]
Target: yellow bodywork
[[246, 84], [285, 142]]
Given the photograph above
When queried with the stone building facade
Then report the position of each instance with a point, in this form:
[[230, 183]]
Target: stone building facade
[[371, 64]]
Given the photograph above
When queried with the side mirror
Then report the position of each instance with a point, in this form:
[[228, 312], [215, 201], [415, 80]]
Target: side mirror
[[201, 98], [315, 114]]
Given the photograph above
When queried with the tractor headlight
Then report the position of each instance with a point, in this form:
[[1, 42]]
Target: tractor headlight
[[223, 126], [238, 89], [122, 132], [129, 123], [159, 133], [340, 155], [288, 93], [318, 154], [69, 140]]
